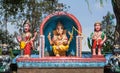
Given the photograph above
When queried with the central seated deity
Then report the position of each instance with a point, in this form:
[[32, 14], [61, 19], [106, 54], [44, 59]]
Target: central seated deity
[[60, 42]]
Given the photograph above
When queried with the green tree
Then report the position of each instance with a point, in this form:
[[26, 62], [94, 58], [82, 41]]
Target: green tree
[[9, 38], [33, 10], [108, 27]]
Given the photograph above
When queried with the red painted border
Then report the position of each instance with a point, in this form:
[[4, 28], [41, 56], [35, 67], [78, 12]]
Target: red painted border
[[61, 59], [57, 14]]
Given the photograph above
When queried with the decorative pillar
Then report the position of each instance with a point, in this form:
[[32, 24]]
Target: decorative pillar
[[79, 46], [42, 46]]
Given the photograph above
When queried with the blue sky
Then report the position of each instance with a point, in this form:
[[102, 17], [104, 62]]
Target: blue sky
[[79, 9]]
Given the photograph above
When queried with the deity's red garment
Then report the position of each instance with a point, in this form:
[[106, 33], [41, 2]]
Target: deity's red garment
[[96, 44], [28, 46]]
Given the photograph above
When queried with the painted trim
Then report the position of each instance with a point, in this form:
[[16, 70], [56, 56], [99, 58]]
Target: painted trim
[[59, 14]]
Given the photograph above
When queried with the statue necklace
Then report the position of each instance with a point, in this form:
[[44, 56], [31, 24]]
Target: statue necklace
[[59, 37], [97, 35]]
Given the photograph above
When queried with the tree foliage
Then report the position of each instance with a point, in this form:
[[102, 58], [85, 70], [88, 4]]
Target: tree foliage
[[108, 27], [17, 11], [9, 38]]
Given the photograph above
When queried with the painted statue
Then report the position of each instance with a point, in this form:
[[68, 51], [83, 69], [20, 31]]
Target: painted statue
[[98, 38], [60, 42], [26, 40]]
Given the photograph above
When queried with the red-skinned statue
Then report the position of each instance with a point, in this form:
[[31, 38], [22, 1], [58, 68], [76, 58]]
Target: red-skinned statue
[[26, 40], [98, 38]]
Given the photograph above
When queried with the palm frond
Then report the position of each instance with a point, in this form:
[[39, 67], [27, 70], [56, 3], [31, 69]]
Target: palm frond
[[101, 3], [88, 6]]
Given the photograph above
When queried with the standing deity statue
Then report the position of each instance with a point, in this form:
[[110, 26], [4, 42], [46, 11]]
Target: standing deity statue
[[98, 38], [26, 40]]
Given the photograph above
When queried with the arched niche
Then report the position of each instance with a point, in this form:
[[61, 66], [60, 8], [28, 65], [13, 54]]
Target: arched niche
[[49, 24]]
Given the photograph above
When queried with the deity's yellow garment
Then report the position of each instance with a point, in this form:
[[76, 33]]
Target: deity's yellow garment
[[61, 51], [22, 44]]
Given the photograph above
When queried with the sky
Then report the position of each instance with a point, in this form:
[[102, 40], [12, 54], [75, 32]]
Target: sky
[[86, 17]]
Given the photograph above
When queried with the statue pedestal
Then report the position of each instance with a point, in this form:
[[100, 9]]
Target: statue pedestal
[[97, 56], [60, 64], [60, 60]]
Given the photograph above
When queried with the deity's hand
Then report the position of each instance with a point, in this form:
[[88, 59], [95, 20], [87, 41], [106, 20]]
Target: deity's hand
[[35, 33], [65, 42], [31, 42], [94, 37], [49, 36], [19, 38], [101, 43], [57, 47], [70, 33]]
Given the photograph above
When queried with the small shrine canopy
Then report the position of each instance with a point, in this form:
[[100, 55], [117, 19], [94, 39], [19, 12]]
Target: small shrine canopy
[[66, 19], [69, 21]]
